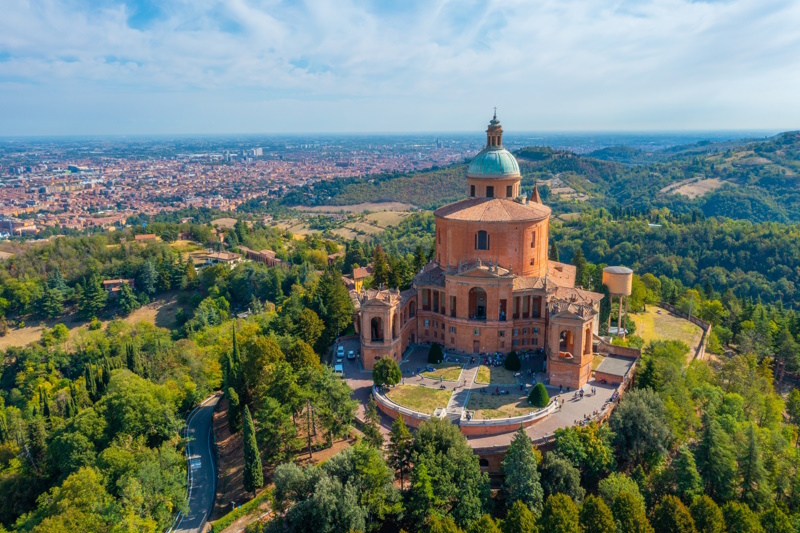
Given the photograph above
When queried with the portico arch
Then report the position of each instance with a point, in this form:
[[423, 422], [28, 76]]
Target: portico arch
[[376, 328], [566, 341], [477, 303]]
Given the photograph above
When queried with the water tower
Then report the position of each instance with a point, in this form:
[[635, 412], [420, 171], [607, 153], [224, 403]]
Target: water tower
[[619, 281]]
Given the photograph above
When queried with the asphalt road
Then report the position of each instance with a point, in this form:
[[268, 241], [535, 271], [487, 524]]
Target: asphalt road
[[202, 470]]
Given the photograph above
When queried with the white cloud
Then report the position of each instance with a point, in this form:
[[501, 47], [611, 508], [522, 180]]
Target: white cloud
[[247, 65]]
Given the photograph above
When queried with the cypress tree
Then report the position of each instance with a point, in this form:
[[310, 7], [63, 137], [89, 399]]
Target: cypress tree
[[253, 476], [521, 475], [580, 267], [716, 461], [553, 255]]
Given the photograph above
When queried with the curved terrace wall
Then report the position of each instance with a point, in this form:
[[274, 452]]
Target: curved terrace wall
[[496, 426]]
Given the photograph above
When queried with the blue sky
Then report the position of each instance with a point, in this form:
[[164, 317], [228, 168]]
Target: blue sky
[[266, 66]]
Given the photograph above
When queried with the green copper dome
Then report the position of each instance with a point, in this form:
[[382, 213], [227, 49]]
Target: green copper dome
[[493, 162]]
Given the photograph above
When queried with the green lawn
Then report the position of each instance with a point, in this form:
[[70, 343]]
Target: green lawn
[[447, 371], [419, 398], [487, 406], [651, 326], [495, 375]]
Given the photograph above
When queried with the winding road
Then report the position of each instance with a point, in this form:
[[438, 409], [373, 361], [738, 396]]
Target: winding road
[[202, 469]]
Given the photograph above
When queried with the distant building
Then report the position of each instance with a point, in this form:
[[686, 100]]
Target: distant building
[[145, 237], [223, 258], [112, 286], [360, 274]]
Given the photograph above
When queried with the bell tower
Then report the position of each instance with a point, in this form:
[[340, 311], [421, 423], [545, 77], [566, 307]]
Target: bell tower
[[494, 133]]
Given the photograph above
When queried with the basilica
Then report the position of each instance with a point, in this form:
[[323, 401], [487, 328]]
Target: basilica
[[491, 286]]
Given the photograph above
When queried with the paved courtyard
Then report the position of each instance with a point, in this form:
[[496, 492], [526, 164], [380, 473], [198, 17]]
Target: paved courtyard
[[573, 409]]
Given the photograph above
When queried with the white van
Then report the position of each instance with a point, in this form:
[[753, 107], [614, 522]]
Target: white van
[[339, 370]]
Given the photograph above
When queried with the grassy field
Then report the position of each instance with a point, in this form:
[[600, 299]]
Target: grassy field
[[447, 371], [487, 406], [495, 375], [422, 399], [658, 324], [160, 312], [387, 218]]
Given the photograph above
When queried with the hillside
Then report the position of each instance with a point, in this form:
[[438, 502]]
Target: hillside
[[754, 180]]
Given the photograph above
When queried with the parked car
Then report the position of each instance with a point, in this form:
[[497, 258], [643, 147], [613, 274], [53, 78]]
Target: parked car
[[351, 354], [338, 369], [340, 351]]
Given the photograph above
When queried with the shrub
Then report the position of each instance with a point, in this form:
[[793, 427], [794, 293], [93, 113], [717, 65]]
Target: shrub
[[435, 354], [512, 362], [95, 324], [538, 396]]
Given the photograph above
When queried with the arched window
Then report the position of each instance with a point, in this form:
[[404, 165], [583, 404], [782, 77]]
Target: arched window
[[481, 240]]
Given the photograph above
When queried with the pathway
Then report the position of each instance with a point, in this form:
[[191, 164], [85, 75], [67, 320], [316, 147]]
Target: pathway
[[460, 398], [202, 469]]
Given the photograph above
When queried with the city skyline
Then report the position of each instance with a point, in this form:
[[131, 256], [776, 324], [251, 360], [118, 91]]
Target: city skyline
[[235, 67]]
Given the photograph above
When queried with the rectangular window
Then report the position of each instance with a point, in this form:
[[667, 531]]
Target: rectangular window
[[514, 342], [472, 191], [535, 341], [501, 333], [516, 332], [509, 191], [435, 324], [452, 329], [524, 342], [427, 323], [533, 240], [489, 191], [536, 330], [524, 331], [476, 331]]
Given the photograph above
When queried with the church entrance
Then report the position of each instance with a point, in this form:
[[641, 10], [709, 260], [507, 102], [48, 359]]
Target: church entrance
[[476, 346]]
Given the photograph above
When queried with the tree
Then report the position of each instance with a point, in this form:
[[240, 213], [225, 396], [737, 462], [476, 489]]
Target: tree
[[538, 396], [422, 499], [715, 460], [401, 446], [147, 278], [435, 354], [617, 483], [559, 476], [589, 449], [309, 326], [277, 434], [629, 514], [442, 525], [520, 519], [386, 372], [92, 297], [756, 491], [484, 525], [685, 477], [707, 515], [512, 362], [580, 267], [774, 520], [596, 517], [333, 305], [126, 300], [372, 432], [380, 266], [740, 519], [419, 259], [456, 477], [51, 304], [253, 476], [553, 255], [521, 482], [673, 516], [641, 432], [301, 355], [560, 515]]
